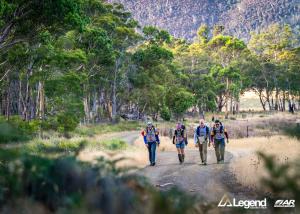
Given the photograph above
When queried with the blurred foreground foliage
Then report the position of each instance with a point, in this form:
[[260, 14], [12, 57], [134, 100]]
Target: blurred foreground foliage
[[16, 129], [282, 180], [293, 131], [38, 184]]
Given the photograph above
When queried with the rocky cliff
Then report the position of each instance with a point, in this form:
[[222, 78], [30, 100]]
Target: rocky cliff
[[183, 17]]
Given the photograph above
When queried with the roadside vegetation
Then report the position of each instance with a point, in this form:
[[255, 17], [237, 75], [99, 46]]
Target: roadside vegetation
[[75, 72]]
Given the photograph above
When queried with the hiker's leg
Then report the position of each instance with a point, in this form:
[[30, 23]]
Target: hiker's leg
[[204, 151], [179, 152], [217, 149], [182, 153], [201, 151], [153, 151], [222, 149], [149, 151]]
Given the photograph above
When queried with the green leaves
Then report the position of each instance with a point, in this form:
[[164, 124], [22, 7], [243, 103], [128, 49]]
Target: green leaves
[[152, 56], [156, 36], [179, 100]]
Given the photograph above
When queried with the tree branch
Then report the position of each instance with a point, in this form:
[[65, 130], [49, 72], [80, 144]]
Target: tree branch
[[5, 75], [16, 41]]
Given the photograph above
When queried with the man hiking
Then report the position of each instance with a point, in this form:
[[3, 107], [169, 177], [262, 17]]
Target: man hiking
[[218, 135], [180, 140], [151, 139], [201, 138]]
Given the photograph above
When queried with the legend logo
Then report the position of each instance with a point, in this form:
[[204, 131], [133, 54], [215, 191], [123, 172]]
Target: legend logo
[[247, 204]]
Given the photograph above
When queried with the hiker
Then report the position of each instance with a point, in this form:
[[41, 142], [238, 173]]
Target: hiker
[[201, 138], [218, 135], [180, 140], [151, 139]]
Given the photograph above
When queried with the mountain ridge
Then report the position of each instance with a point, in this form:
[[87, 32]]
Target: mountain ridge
[[239, 17]]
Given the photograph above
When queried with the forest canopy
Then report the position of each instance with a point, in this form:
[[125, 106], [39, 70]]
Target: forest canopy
[[63, 62]]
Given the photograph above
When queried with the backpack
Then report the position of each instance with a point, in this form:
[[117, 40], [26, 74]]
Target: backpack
[[151, 135], [179, 136], [207, 130]]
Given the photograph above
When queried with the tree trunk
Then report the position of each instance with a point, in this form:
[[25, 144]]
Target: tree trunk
[[114, 91], [277, 100], [226, 98], [283, 101], [263, 104], [7, 108]]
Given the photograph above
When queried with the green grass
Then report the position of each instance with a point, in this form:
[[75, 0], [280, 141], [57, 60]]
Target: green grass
[[53, 146], [10, 133], [92, 130], [61, 146], [114, 144]]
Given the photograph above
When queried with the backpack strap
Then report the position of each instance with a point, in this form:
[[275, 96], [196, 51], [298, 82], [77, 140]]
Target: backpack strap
[[198, 131], [207, 130]]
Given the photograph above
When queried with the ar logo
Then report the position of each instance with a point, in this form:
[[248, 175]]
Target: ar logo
[[225, 201]]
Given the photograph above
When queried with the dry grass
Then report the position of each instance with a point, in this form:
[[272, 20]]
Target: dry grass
[[248, 168], [264, 125]]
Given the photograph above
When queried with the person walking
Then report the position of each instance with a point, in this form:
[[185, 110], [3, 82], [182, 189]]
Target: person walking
[[218, 135], [180, 140], [151, 140], [201, 139]]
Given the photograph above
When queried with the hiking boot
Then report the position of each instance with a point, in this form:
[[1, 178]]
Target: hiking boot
[[204, 163], [180, 158], [153, 164]]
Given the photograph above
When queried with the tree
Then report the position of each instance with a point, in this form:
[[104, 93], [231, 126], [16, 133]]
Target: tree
[[272, 47], [179, 100]]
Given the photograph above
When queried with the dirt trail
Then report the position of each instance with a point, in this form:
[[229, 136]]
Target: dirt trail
[[208, 182]]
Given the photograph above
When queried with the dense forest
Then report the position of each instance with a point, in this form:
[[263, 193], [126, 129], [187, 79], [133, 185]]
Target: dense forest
[[240, 17], [64, 62]]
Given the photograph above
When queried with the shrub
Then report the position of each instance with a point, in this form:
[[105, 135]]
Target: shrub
[[293, 131], [114, 144], [282, 179], [165, 113], [16, 130], [92, 130], [66, 185], [45, 147], [9, 133]]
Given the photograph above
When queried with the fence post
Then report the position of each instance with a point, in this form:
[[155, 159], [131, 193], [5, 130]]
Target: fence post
[[247, 131]]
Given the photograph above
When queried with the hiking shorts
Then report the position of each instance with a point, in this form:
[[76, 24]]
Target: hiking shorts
[[180, 145]]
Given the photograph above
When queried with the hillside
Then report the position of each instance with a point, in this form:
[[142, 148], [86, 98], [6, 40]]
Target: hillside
[[240, 17]]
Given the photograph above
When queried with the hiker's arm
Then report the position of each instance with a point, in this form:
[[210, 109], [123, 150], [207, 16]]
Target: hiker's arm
[[157, 137], [173, 140], [208, 134], [226, 135], [144, 137], [195, 137], [212, 138]]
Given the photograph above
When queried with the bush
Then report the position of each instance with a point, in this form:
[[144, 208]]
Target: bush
[[48, 147], [17, 130], [282, 179], [293, 131], [66, 185], [8, 133], [165, 113], [114, 144], [92, 130]]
